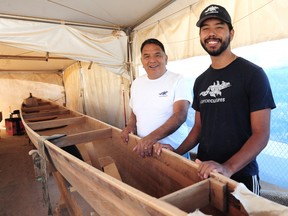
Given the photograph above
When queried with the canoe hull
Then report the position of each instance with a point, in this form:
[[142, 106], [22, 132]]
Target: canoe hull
[[112, 179]]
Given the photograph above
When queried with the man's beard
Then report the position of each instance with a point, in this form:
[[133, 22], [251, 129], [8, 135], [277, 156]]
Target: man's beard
[[217, 52]]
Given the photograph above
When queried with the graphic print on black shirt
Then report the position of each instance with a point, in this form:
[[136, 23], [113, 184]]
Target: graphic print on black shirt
[[214, 90]]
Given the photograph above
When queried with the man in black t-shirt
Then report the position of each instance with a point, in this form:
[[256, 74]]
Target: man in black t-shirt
[[233, 102]]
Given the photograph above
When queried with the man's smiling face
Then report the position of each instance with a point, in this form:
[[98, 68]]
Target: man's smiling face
[[215, 36], [154, 60]]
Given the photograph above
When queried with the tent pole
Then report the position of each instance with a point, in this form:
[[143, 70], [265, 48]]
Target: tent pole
[[54, 21], [38, 58]]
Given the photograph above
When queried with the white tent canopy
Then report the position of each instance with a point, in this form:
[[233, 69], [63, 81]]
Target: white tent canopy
[[253, 21], [105, 37], [105, 47]]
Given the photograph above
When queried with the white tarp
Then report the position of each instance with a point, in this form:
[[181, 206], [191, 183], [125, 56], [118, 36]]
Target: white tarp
[[255, 205], [15, 87], [253, 21], [104, 47], [97, 93]]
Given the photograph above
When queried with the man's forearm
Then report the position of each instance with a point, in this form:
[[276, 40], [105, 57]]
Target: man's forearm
[[131, 126], [169, 127], [190, 142]]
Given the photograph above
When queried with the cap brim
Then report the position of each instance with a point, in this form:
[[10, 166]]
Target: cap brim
[[200, 21]]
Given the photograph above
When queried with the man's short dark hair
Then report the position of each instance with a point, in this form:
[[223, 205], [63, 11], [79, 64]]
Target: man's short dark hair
[[152, 41]]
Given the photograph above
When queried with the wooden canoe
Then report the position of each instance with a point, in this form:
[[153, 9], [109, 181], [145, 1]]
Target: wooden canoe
[[112, 179]]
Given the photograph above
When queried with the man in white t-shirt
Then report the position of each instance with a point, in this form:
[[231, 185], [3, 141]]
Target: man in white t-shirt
[[159, 100]]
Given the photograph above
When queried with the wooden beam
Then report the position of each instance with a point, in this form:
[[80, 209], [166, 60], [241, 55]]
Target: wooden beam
[[83, 137], [55, 123], [69, 201], [218, 195], [44, 118], [38, 108], [109, 167], [190, 198], [46, 113]]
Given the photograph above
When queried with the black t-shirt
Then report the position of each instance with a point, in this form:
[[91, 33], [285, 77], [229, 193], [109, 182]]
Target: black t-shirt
[[225, 98]]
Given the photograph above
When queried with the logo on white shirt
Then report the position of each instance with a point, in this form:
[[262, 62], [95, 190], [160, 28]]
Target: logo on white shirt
[[163, 94]]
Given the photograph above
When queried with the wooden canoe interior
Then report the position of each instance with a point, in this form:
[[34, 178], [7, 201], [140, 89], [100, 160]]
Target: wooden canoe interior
[[113, 179]]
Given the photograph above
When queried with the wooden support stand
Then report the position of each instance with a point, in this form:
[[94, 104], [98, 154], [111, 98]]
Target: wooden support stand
[[67, 199]]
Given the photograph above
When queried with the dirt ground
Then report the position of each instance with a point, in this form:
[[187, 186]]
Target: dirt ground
[[20, 192]]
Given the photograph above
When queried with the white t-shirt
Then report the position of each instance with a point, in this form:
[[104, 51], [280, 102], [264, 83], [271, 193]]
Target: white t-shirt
[[152, 103]]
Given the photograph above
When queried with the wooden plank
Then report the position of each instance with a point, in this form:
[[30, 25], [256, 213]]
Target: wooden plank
[[56, 123], [105, 194], [83, 137], [92, 154], [45, 118], [235, 208], [70, 203], [190, 198], [105, 161], [172, 160], [109, 167], [46, 113], [38, 108], [164, 177], [218, 194]]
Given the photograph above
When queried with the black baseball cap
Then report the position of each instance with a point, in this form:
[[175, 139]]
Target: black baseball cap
[[214, 11]]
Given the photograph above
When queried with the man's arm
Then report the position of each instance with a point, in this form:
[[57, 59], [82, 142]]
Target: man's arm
[[193, 137], [260, 123], [130, 128], [180, 111]]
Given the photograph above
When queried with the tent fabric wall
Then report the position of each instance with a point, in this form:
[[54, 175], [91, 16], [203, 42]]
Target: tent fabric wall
[[97, 93], [73, 88], [180, 36], [105, 47], [15, 87]]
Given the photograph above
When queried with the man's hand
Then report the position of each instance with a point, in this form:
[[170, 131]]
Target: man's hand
[[158, 148], [206, 167], [144, 147], [125, 134]]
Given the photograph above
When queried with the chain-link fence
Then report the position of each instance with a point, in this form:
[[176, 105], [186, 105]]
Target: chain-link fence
[[273, 160]]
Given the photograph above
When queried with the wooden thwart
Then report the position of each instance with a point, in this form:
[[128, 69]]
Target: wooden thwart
[[190, 198], [83, 137], [46, 113], [204, 193], [218, 194], [44, 118], [38, 108], [56, 123]]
